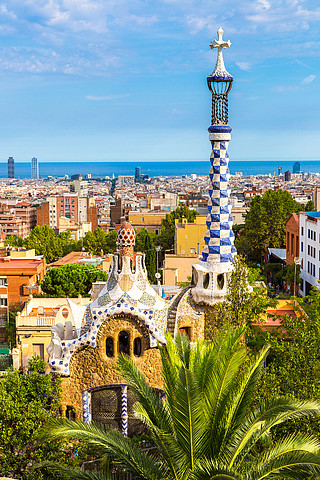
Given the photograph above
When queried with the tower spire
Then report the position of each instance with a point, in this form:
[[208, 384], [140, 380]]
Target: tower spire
[[210, 275]]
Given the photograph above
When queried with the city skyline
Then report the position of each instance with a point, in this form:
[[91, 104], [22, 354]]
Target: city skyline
[[103, 81]]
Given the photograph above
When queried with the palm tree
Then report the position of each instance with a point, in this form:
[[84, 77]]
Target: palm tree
[[205, 427]]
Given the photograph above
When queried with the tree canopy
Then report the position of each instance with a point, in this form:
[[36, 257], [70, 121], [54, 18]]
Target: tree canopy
[[45, 242], [27, 402], [265, 223], [71, 280]]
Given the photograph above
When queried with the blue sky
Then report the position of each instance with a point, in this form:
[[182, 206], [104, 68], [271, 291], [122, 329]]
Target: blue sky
[[99, 80]]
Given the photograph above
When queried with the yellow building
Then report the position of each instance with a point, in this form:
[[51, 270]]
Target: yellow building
[[189, 237], [150, 220], [33, 324]]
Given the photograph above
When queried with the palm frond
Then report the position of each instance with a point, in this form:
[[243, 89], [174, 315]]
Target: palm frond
[[234, 405], [146, 395], [72, 473], [294, 457], [259, 422], [210, 469], [187, 416]]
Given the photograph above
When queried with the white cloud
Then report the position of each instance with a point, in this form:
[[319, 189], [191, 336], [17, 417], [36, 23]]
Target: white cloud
[[243, 65], [264, 4], [106, 97], [308, 79]]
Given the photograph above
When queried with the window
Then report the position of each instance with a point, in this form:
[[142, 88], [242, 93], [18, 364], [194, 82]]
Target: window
[[142, 219], [301, 230], [109, 347], [186, 330], [206, 279], [3, 282], [124, 343], [3, 302], [308, 232], [308, 267], [314, 270], [137, 347], [308, 249], [38, 349], [302, 248]]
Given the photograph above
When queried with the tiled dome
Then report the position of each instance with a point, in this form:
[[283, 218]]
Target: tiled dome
[[126, 234]]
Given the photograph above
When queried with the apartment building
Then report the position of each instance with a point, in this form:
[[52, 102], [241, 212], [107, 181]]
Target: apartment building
[[69, 205], [309, 250], [17, 219]]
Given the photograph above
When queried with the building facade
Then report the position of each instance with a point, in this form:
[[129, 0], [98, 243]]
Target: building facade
[[18, 219], [11, 167], [309, 251], [69, 205], [34, 168]]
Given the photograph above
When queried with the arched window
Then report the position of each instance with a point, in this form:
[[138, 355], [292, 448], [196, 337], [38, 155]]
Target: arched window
[[70, 413], [206, 279], [220, 281], [109, 347], [137, 347], [124, 343]]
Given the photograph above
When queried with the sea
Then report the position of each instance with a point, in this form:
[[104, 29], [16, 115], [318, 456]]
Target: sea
[[155, 168]]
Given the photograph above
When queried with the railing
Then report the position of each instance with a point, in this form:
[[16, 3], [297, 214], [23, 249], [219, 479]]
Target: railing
[[45, 321], [36, 321]]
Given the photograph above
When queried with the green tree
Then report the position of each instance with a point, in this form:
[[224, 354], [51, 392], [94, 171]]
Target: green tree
[[293, 368], [205, 427], [45, 243], [100, 241], [245, 301], [166, 237], [89, 242], [14, 241], [310, 206], [111, 242], [265, 223], [150, 259], [71, 280], [27, 402]]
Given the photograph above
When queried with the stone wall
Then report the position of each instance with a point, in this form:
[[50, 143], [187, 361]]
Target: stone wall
[[91, 367]]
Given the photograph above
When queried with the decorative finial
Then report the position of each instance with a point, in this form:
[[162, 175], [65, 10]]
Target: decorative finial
[[220, 71]]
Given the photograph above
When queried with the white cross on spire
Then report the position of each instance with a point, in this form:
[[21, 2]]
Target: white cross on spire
[[220, 69]]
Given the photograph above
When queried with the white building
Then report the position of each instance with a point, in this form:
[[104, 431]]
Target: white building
[[309, 250]]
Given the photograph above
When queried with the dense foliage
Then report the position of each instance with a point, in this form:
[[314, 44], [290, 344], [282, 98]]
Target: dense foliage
[[53, 247], [245, 301], [293, 367], [265, 223], [27, 402], [71, 280]]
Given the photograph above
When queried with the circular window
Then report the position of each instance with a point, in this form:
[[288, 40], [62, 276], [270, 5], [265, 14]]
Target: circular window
[[65, 312]]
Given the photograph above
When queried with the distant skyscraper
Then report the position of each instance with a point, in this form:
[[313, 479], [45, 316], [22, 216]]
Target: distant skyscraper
[[34, 168], [137, 173], [279, 170], [287, 176], [296, 167], [10, 167]]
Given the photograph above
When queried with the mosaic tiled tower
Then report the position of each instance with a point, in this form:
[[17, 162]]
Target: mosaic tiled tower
[[210, 275]]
